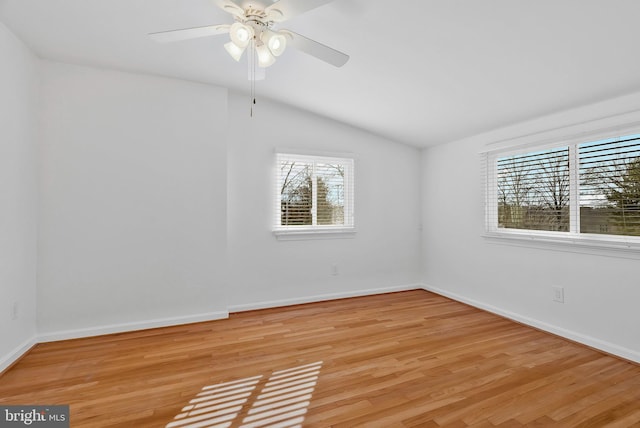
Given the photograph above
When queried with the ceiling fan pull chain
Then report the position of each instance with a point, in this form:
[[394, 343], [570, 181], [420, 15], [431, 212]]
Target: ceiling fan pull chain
[[253, 63], [253, 76]]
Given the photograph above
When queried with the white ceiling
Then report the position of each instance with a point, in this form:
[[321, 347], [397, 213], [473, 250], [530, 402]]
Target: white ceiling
[[421, 72]]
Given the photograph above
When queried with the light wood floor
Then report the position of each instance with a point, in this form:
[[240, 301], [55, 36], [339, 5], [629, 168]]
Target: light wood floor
[[410, 359]]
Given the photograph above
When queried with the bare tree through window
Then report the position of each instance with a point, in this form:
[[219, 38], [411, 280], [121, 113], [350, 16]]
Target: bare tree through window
[[610, 187], [533, 190], [312, 193]]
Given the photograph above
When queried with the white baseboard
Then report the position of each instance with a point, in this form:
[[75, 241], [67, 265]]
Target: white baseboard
[[13, 356], [610, 348], [321, 298], [126, 327]]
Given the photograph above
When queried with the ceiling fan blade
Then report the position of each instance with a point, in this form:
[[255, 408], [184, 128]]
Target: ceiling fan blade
[[229, 6], [189, 33], [287, 9], [313, 48]]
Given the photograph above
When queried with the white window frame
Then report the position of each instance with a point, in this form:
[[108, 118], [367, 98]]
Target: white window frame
[[572, 241], [315, 231]]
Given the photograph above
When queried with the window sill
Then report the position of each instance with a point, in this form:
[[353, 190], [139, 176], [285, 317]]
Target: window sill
[[610, 246], [319, 233]]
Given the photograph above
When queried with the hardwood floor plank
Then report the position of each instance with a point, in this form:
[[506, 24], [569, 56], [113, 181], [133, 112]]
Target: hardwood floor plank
[[631, 419], [408, 359]]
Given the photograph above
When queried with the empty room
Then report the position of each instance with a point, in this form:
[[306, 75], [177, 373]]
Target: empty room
[[319, 213]]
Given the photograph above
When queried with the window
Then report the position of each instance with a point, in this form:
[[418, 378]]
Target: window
[[533, 190], [313, 194], [610, 186], [583, 190]]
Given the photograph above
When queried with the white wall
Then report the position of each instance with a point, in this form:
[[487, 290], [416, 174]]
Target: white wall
[[601, 290], [133, 190], [19, 84], [384, 255]]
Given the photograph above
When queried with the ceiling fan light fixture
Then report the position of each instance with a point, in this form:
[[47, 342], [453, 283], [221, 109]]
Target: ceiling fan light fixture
[[234, 50], [240, 34], [276, 42], [265, 58], [253, 30]]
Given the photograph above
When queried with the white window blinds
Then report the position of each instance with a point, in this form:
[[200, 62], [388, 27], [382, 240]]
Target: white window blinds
[[313, 192], [533, 190], [610, 186], [575, 189]]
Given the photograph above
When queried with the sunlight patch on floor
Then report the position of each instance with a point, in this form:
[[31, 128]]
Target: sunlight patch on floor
[[216, 406], [282, 402]]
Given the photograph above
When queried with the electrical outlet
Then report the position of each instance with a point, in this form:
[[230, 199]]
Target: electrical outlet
[[334, 269], [558, 294]]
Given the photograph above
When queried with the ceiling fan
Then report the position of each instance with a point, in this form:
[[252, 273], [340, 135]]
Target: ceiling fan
[[255, 27]]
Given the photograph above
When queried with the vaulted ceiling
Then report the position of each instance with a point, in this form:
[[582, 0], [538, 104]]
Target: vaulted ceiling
[[421, 72]]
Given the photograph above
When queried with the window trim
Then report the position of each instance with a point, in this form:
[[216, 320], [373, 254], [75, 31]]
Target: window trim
[[604, 245], [303, 232], [573, 241]]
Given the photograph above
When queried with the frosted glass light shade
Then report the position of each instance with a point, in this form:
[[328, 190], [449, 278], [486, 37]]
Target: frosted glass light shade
[[265, 59], [240, 34], [276, 43], [234, 50]]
